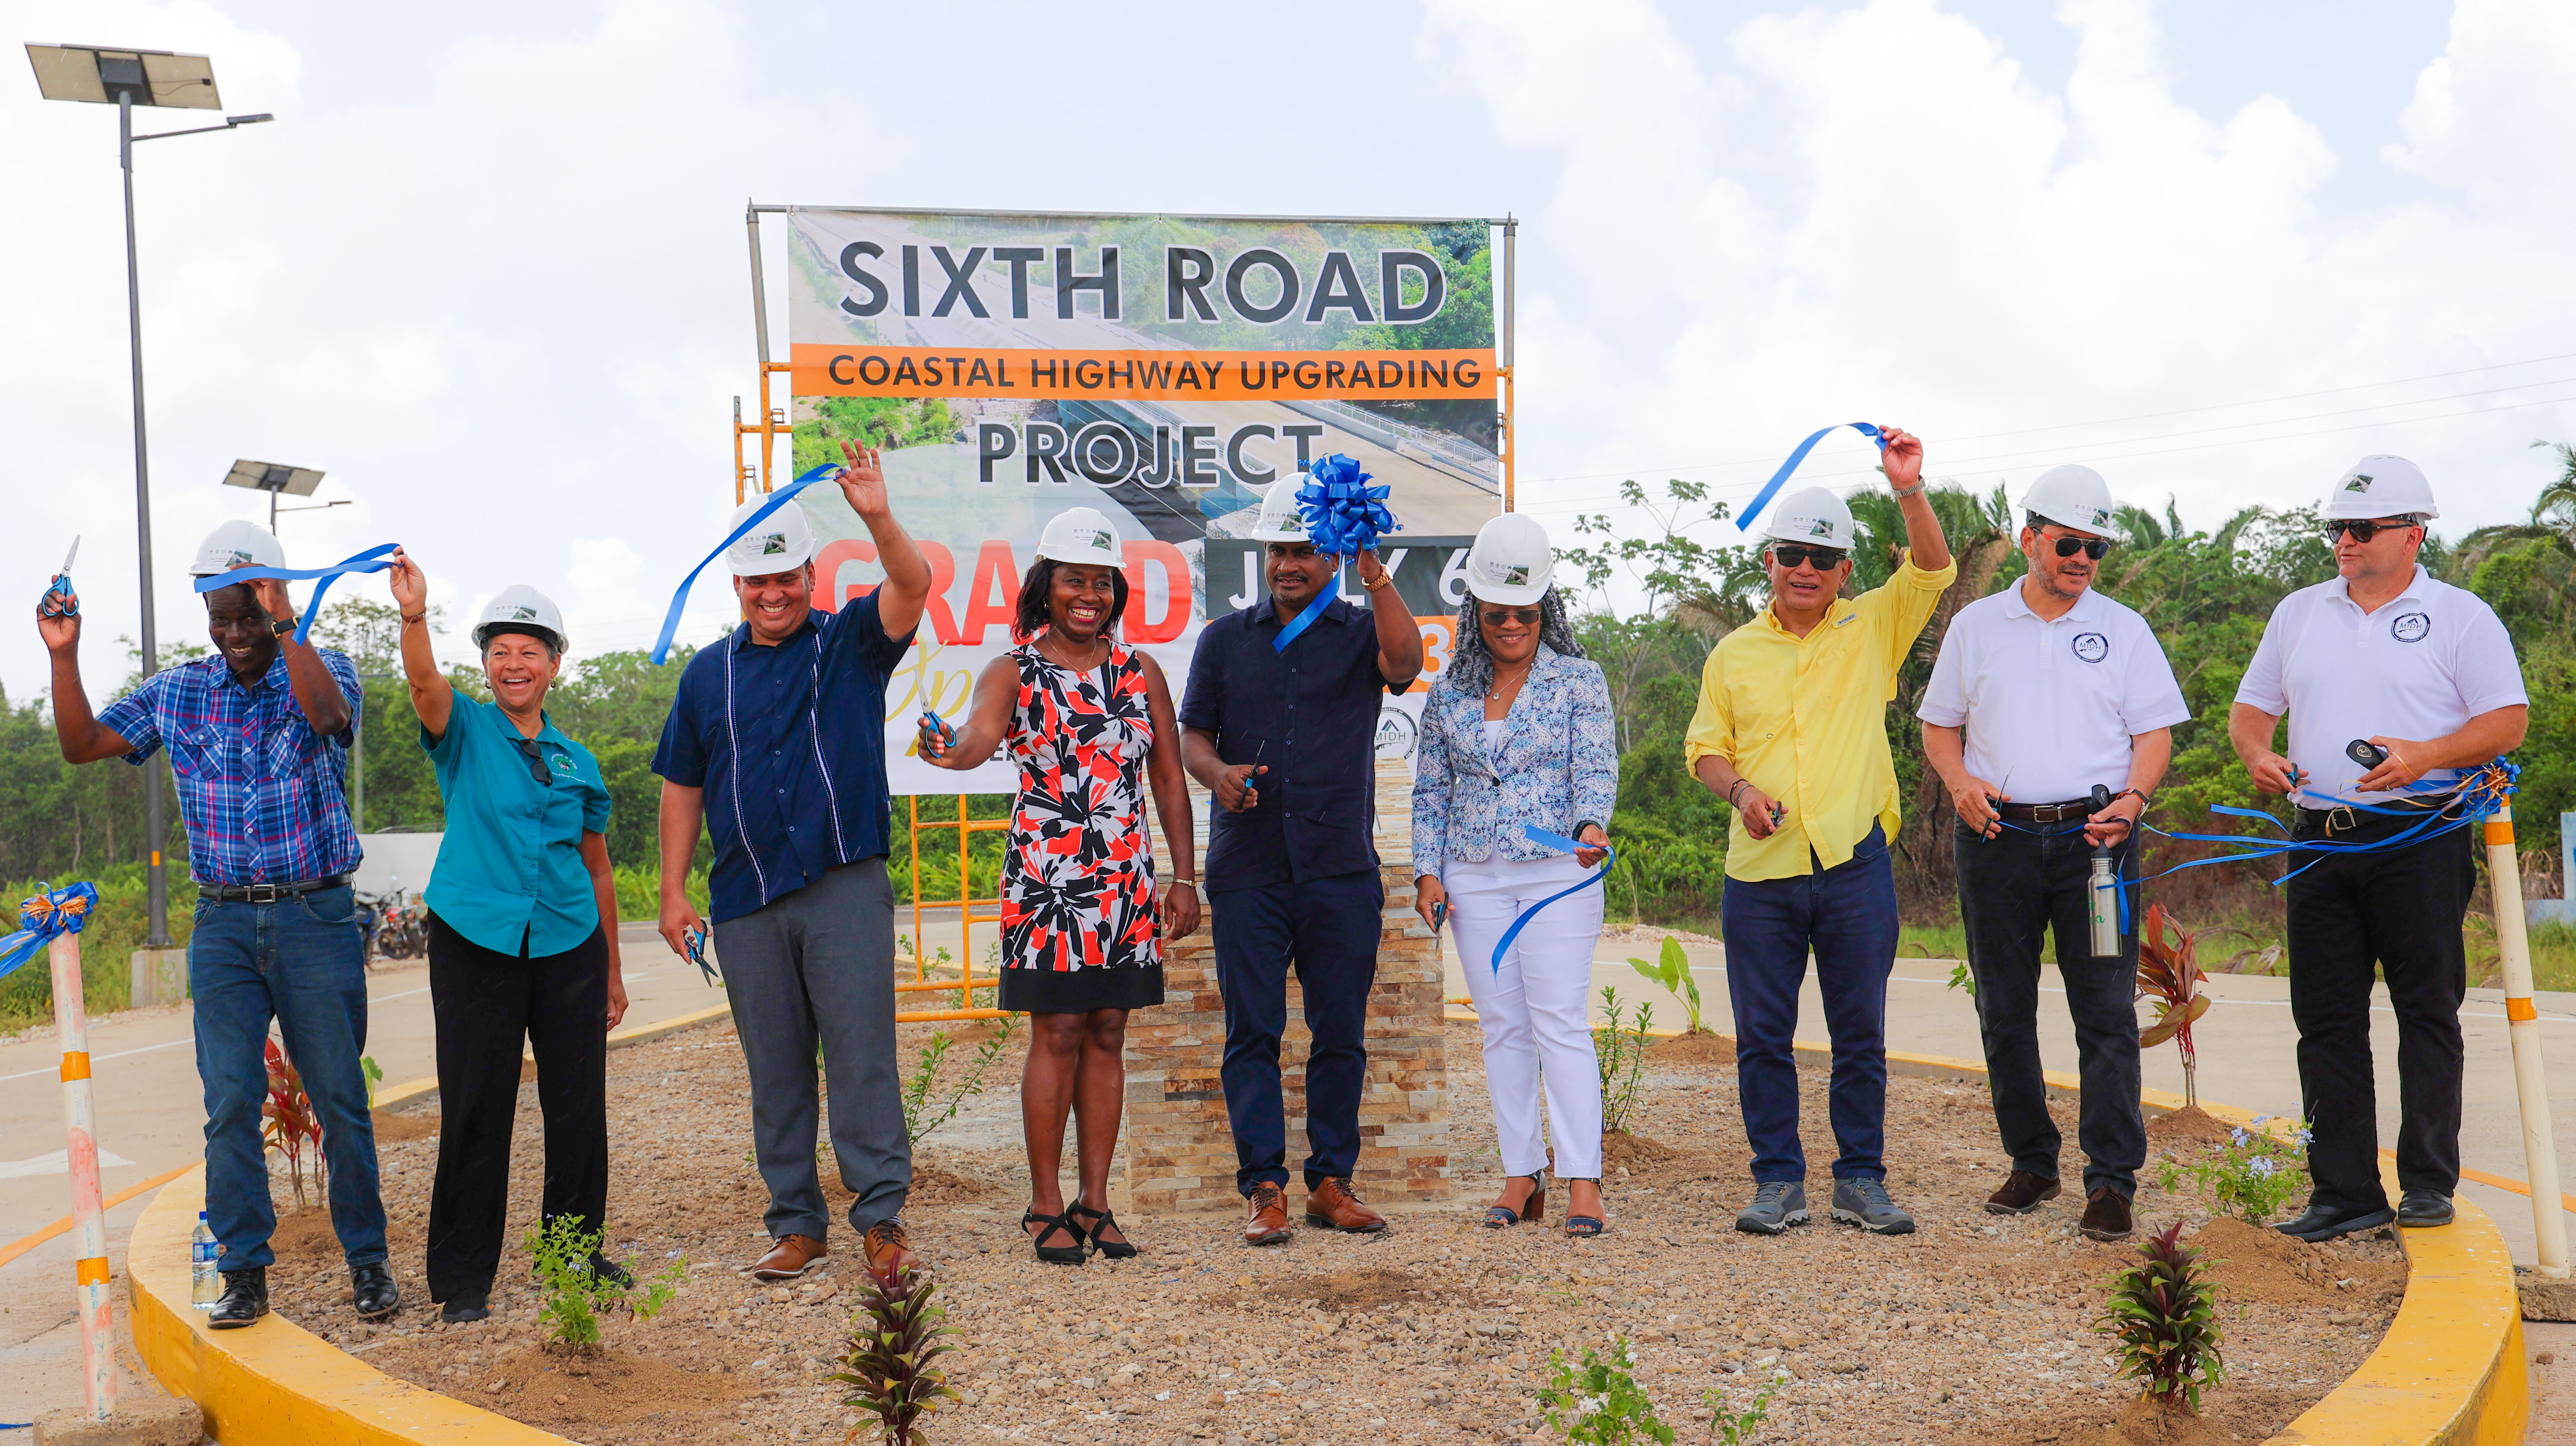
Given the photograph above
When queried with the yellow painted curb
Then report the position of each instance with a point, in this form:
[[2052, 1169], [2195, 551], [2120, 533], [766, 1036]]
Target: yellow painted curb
[[275, 1383], [2450, 1370]]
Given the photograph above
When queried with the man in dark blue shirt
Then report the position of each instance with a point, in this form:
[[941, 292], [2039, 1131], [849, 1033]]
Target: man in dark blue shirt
[[804, 915], [1285, 736]]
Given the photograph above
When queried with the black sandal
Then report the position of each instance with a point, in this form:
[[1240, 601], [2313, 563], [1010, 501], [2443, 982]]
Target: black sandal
[[1583, 1227], [1073, 1254], [1102, 1220], [1498, 1217]]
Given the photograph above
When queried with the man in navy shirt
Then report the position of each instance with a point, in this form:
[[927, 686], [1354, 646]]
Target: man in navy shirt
[[1285, 736], [804, 916]]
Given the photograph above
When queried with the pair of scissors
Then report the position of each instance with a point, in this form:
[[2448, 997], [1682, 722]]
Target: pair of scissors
[[62, 584], [947, 735], [698, 956]]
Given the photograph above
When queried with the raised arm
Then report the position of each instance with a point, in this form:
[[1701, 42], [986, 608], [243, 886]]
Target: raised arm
[[1924, 540], [969, 744], [1172, 805], [327, 710], [77, 729], [432, 696], [907, 573], [1399, 637]]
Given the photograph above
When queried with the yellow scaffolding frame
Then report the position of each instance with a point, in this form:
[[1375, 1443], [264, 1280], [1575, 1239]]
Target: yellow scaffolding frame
[[967, 918]]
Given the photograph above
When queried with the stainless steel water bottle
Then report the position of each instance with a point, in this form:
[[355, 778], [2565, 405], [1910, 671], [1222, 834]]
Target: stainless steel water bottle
[[2103, 890]]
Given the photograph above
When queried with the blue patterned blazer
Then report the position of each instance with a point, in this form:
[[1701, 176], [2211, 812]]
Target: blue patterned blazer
[[1557, 767]]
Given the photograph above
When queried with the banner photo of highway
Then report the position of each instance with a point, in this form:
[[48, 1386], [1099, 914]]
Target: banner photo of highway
[[1162, 369]]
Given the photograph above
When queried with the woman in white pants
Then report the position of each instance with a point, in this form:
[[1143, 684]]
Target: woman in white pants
[[1518, 733]]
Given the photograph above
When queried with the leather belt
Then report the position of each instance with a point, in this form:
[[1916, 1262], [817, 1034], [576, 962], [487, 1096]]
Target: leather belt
[[267, 893], [2045, 812]]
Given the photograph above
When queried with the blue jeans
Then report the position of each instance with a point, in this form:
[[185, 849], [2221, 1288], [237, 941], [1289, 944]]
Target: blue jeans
[[1328, 928], [1847, 916], [296, 961]]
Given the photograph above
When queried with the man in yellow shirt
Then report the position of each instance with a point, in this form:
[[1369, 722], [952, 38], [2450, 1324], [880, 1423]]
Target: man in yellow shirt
[[1792, 731]]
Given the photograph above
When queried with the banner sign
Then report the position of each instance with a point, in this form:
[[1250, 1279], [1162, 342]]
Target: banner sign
[[1164, 370]]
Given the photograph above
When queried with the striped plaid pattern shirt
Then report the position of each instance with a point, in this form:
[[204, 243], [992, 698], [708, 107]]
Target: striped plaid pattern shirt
[[264, 797]]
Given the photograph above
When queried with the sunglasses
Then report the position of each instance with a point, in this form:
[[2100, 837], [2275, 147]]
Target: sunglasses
[[536, 762], [1496, 617], [2092, 547], [2362, 531], [1791, 554]]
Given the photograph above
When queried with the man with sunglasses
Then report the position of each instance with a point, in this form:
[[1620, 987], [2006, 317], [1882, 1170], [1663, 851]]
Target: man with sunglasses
[[1792, 731], [2044, 692], [2419, 680]]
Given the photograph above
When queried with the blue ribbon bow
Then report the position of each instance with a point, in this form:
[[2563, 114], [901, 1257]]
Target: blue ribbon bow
[[1561, 844], [1770, 489], [44, 918], [1343, 514], [374, 559], [680, 599]]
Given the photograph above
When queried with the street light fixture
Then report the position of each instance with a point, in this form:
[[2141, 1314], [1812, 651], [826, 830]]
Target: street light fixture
[[279, 480], [127, 78]]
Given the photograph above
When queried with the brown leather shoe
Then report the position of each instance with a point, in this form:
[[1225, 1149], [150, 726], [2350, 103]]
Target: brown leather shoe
[[1268, 1222], [1335, 1205], [888, 1249], [2022, 1193], [2106, 1216], [790, 1257]]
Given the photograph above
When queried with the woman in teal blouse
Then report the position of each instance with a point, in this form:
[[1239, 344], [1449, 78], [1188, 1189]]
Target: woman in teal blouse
[[522, 938]]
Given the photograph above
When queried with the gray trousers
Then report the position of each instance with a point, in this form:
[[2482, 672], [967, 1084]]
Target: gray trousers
[[817, 967]]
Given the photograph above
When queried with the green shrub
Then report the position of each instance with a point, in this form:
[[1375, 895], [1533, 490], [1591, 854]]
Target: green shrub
[[1620, 1048], [1598, 1403], [2251, 1176], [2163, 1313], [575, 1294]]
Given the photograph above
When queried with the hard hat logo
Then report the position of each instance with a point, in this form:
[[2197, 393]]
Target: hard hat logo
[[773, 544], [1516, 577], [237, 559], [523, 614], [1820, 527], [2357, 482]]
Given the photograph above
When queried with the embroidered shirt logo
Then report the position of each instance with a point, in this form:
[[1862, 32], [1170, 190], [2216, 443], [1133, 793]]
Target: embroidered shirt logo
[[2410, 627], [2092, 647]]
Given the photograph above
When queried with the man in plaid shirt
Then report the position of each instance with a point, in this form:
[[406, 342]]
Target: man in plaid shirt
[[258, 736]]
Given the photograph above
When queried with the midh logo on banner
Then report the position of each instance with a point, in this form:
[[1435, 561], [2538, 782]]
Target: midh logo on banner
[[1162, 369]]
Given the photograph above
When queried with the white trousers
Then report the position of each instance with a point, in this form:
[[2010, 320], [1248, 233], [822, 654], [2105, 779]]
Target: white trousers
[[1536, 1019]]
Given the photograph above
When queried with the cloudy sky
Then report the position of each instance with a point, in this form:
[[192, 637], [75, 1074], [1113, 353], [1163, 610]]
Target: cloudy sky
[[488, 266]]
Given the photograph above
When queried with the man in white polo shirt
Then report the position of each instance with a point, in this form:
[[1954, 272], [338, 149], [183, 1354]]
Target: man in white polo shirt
[[2042, 693], [2425, 675]]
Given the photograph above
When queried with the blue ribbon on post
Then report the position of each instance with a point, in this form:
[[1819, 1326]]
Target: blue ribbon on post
[[680, 599], [1343, 517], [374, 559], [1770, 489], [45, 918], [1562, 844]]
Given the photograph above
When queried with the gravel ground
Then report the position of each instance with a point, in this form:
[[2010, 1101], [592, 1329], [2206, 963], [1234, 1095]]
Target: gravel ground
[[1439, 1331]]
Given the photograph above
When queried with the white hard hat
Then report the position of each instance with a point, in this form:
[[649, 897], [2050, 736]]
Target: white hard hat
[[2077, 497], [1811, 515], [2382, 486], [237, 544], [1080, 534], [1511, 562], [782, 542], [1280, 519], [520, 608]]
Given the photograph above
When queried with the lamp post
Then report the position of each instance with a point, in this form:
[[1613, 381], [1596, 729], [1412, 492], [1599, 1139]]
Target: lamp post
[[279, 480], [126, 79]]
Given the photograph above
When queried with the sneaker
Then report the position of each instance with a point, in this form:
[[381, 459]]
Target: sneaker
[[1777, 1205], [1863, 1202]]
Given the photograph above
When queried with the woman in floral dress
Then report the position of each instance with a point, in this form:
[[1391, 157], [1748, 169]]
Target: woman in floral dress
[[1087, 720]]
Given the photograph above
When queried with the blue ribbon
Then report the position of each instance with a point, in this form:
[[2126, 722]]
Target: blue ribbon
[[1306, 619], [1343, 514], [374, 559], [1770, 489], [680, 599], [1561, 844], [45, 918]]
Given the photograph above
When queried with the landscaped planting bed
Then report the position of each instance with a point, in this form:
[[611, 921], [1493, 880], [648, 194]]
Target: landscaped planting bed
[[1974, 1329]]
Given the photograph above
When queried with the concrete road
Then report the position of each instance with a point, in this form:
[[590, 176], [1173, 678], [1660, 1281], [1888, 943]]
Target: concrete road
[[2245, 1043]]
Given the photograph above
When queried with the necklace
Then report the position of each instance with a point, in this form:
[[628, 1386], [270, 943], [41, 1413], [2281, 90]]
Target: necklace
[[1495, 695]]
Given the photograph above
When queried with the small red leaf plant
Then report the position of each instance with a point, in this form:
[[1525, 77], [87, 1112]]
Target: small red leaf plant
[[291, 1126], [2163, 1315], [2169, 974], [895, 1337]]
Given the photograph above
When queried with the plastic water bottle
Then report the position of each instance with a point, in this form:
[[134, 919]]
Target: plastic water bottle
[[2103, 890], [205, 1286]]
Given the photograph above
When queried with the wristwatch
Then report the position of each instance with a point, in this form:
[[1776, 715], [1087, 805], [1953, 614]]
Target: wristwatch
[[281, 627]]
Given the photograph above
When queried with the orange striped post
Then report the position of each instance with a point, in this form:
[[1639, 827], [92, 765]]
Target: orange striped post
[[89, 1224], [2513, 941]]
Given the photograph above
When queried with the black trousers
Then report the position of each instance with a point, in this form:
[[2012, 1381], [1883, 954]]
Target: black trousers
[[485, 1002], [2014, 888], [2402, 910]]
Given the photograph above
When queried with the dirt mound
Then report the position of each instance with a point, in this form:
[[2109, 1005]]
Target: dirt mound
[[576, 1393], [1365, 1289], [2258, 1263], [2185, 1133], [395, 1126], [304, 1237], [2226, 1417], [1705, 1047], [1620, 1149]]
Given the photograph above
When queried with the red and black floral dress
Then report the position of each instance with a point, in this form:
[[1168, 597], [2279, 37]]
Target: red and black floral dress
[[1078, 906]]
